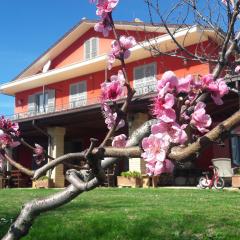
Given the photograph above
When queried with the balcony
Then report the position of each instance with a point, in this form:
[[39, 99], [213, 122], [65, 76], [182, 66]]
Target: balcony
[[82, 104]]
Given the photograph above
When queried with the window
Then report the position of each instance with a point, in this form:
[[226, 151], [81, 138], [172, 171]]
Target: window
[[91, 48], [41, 102], [235, 145], [144, 78], [78, 94]]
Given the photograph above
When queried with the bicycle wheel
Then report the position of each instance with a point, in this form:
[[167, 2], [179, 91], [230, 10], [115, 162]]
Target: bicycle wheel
[[203, 183], [219, 183]]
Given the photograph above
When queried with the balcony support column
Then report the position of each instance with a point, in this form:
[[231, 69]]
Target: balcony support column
[[135, 121], [56, 149]]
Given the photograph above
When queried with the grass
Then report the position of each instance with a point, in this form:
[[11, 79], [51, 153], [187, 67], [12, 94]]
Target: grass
[[131, 214]]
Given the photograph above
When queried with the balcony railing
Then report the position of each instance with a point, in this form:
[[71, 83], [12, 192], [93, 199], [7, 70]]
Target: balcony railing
[[144, 90]]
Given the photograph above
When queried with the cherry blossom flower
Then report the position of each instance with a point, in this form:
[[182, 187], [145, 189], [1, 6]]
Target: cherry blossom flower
[[168, 77], [184, 84], [237, 69], [218, 89], [9, 127], [38, 155], [162, 108], [7, 141], [104, 27], [172, 132], [110, 117], [119, 141], [105, 6], [120, 78], [200, 119], [38, 149], [111, 90], [154, 154], [127, 42], [120, 49]]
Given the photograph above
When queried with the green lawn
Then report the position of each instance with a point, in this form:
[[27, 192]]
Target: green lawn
[[131, 214]]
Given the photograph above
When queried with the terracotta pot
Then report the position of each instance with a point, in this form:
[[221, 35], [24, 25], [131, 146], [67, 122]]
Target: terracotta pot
[[129, 182], [45, 183], [236, 181]]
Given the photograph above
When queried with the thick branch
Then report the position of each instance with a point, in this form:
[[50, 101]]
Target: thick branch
[[19, 166], [179, 154]]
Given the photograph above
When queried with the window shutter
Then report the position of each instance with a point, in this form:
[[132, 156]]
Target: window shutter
[[87, 50], [31, 105], [94, 47], [138, 80], [78, 94], [150, 72], [82, 96], [50, 100], [150, 79]]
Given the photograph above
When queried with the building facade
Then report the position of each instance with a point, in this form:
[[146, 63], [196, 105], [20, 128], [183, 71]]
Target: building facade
[[59, 92]]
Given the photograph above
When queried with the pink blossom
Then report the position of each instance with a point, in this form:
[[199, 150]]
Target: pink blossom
[[105, 6], [120, 78], [104, 26], [154, 153], [218, 89], [127, 42], [154, 149], [162, 108], [172, 132], [165, 167], [111, 90], [207, 80], [8, 126], [184, 84], [110, 117], [200, 119], [120, 49], [7, 141], [168, 77], [111, 60], [38, 149], [119, 141], [237, 69]]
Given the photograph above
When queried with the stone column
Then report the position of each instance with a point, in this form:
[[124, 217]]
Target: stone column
[[135, 121], [56, 149]]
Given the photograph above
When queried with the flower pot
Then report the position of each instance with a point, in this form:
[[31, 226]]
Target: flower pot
[[129, 181], [1, 182], [44, 183], [236, 181]]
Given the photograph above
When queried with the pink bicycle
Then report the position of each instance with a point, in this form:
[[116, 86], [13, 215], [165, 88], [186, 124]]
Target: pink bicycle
[[216, 180]]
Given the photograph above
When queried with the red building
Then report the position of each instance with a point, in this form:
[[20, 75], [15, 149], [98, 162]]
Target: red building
[[59, 92]]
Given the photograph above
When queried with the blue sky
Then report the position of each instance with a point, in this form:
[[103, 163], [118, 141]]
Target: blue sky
[[29, 27]]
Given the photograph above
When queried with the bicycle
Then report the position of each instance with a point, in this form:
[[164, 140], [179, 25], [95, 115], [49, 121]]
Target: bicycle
[[216, 180]]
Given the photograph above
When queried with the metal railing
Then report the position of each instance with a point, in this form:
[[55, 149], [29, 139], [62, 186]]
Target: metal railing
[[141, 90]]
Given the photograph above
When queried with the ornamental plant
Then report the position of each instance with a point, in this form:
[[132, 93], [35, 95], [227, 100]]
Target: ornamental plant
[[180, 127]]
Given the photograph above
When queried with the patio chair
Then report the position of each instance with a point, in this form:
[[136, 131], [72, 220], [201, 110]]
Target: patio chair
[[224, 168]]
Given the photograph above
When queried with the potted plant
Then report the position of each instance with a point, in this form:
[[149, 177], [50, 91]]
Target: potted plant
[[236, 178], [129, 179], [43, 182]]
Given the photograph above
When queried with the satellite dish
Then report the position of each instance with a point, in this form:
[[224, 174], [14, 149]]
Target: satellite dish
[[46, 66]]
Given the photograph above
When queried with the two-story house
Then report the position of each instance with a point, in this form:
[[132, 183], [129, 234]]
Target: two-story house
[[59, 92]]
